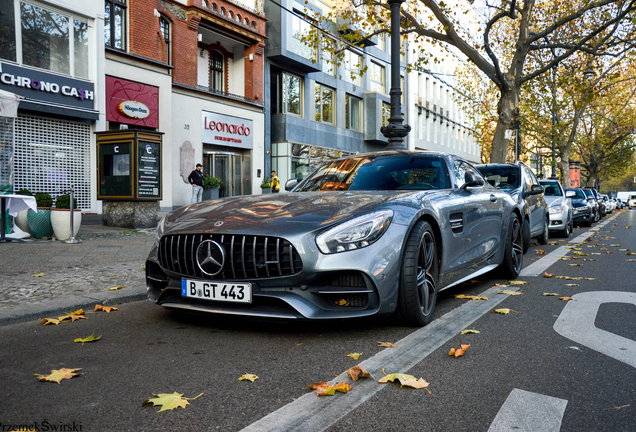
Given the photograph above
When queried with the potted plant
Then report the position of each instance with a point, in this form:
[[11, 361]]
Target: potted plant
[[21, 220], [210, 188], [40, 221], [266, 186], [61, 217]]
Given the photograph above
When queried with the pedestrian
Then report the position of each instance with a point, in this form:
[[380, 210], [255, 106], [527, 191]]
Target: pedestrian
[[275, 183], [196, 180]]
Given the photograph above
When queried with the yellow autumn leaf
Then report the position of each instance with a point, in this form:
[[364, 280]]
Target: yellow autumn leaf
[[615, 245], [354, 356], [115, 288], [39, 275], [596, 253], [324, 389], [571, 285], [469, 297], [549, 294], [630, 260], [628, 226], [386, 344], [169, 401], [575, 265], [567, 298], [470, 331], [540, 252], [106, 309], [47, 321], [517, 282], [248, 377], [90, 338], [548, 275], [58, 375], [623, 250], [509, 292], [404, 380], [504, 311], [579, 253]]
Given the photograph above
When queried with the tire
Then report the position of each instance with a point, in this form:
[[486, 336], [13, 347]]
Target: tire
[[565, 233], [513, 250], [597, 216], [545, 235], [526, 235], [417, 293]]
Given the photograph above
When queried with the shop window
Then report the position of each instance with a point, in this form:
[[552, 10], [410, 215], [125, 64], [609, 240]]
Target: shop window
[[164, 26], [353, 106], [325, 104], [353, 65], [292, 94], [115, 24], [378, 78], [217, 72]]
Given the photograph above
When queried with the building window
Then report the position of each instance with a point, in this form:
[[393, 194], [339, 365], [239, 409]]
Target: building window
[[382, 41], [215, 8], [7, 31], [217, 61], [325, 104], [378, 78], [164, 26], [115, 24], [353, 63], [386, 113], [301, 28], [353, 106], [292, 94], [222, 11]]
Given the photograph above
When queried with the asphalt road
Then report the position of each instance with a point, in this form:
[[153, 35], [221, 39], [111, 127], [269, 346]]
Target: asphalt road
[[548, 365]]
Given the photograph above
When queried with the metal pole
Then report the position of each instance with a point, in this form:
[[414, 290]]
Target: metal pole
[[395, 131], [72, 239], [553, 176]]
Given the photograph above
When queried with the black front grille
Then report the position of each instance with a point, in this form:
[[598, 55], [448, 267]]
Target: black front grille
[[246, 257]]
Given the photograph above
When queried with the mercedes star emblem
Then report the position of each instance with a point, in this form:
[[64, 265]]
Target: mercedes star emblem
[[210, 257], [218, 224]]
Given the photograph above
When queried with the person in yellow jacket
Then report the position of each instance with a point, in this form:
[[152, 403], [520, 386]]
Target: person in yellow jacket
[[275, 183]]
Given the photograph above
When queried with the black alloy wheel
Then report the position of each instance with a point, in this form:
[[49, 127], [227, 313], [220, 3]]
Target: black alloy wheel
[[418, 279], [526, 235], [545, 235], [513, 252]]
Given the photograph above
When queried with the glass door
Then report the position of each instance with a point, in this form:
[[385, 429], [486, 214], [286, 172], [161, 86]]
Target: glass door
[[231, 168]]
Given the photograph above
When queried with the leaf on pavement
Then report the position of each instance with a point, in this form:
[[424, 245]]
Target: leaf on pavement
[[58, 375], [47, 321], [324, 389], [579, 253], [358, 372], [603, 248], [39, 275], [623, 250], [628, 226], [342, 387], [168, 401], [575, 265], [248, 377], [354, 356], [386, 344], [608, 252], [116, 288], [73, 316], [470, 331], [504, 311], [540, 252], [405, 380], [549, 294], [630, 260], [469, 297], [567, 298], [90, 338], [589, 259], [554, 243], [615, 245], [596, 253], [509, 292], [548, 275], [517, 282], [630, 253], [106, 309], [571, 285], [459, 351]]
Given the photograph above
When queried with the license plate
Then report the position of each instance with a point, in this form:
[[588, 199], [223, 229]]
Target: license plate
[[217, 290]]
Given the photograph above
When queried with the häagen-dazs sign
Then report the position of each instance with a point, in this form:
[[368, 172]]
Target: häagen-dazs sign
[[134, 109], [226, 130]]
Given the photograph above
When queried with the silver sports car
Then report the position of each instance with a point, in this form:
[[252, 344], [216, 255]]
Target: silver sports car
[[377, 233]]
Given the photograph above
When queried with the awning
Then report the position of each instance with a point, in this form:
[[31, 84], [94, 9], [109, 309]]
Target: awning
[[9, 104]]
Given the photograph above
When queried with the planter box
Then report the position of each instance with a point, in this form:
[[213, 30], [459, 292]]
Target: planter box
[[40, 222], [22, 221], [210, 193], [266, 190], [61, 222]]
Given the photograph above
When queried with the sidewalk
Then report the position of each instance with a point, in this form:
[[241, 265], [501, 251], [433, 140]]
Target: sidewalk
[[75, 275]]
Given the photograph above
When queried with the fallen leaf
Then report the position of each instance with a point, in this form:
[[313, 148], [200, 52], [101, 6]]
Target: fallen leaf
[[114, 288], [90, 338], [615, 245], [460, 351], [71, 317], [566, 298], [553, 243], [549, 294], [168, 401], [354, 356], [405, 380], [58, 375], [469, 297], [342, 302], [596, 253], [628, 226], [509, 292], [47, 321], [623, 250], [517, 282], [248, 377], [358, 372], [589, 278], [342, 387], [630, 260], [575, 265], [630, 253], [579, 253], [39, 275], [548, 275], [470, 331], [386, 344], [571, 285], [106, 309], [540, 252], [588, 259], [504, 311], [324, 389], [608, 252], [603, 249]]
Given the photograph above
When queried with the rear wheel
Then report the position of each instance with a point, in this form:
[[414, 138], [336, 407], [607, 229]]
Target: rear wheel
[[545, 235], [526, 235], [418, 279], [513, 252]]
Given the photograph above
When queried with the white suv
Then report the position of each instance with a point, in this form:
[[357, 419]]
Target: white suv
[[631, 202]]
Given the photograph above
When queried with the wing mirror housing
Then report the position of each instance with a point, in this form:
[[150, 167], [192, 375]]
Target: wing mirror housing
[[570, 194], [535, 190], [472, 180], [290, 184]]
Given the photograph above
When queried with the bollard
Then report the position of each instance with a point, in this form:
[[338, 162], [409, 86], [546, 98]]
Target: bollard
[[72, 239]]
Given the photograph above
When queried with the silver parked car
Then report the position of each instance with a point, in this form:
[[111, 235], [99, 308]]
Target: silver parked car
[[372, 234], [559, 206]]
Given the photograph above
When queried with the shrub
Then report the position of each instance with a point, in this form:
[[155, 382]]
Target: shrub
[[63, 201], [266, 183], [211, 182], [24, 192], [43, 199]]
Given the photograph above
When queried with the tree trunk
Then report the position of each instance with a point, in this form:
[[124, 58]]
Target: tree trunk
[[507, 109], [564, 164]]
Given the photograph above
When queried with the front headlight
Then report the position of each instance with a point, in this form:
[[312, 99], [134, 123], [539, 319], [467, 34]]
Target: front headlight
[[160, 227], [356, 233], [557, 209]]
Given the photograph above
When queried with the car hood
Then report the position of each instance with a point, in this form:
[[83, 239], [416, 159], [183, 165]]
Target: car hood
[[579, 202], [272, 214], [554, 201]]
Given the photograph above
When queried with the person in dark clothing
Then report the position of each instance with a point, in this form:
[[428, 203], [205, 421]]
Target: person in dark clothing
[[196, 180]]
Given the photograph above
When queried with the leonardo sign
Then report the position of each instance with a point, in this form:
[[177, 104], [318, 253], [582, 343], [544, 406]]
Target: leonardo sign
[[226, 130]]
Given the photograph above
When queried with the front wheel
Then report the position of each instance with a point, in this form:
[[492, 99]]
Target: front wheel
[[418, 277], [545, 235], [513, 252], [566, 231]]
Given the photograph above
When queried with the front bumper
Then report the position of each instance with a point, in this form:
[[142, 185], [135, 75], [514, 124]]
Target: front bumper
[[558, 221], [582, 216]]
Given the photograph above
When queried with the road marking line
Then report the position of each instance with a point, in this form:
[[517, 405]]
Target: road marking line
[[312, 413], [576, 323], [524, 411], [539, 267]]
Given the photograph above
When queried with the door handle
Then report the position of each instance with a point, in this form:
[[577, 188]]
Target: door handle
[[493, 198]]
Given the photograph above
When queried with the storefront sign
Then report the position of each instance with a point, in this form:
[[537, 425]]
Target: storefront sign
[[132, 103], [43, 86], [225, 130]]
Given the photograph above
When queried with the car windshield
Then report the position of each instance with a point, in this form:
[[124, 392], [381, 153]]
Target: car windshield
[[633, 197], [389, 172], [579, 194], [551, 189], [501, 177], [588, 193]]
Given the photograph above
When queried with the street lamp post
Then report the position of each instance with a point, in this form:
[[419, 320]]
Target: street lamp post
[[554, 122], [395, 131]]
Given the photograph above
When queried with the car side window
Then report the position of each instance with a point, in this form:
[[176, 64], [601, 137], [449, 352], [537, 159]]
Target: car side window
[[527, 178], [460, 172]]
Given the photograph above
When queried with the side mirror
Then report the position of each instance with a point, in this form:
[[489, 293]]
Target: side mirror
[[472, 180], [570, 194], [535, 190], [290, 184]]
